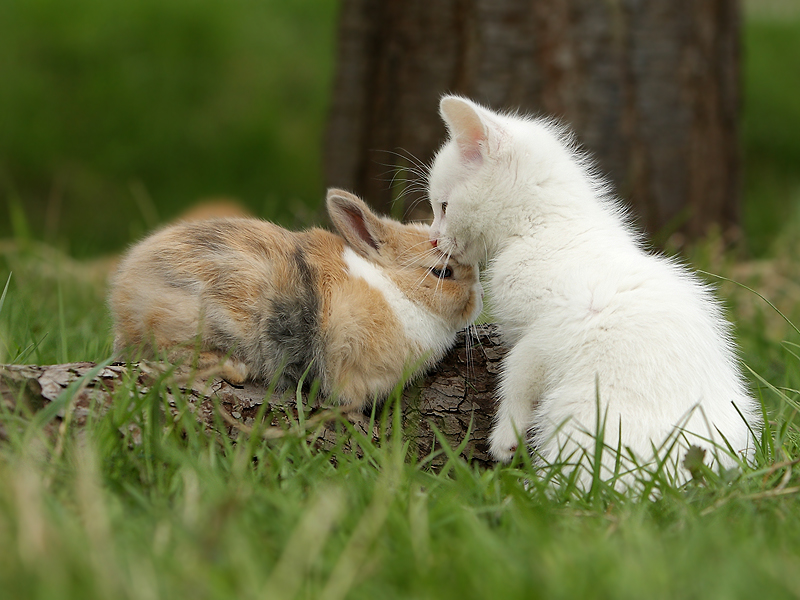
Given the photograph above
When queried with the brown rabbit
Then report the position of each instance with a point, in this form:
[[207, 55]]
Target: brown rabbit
[[359, 314]]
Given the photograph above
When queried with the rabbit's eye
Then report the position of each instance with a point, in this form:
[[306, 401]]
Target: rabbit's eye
[[445, 273]]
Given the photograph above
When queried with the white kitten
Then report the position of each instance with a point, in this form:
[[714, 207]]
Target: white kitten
[[593, 320]]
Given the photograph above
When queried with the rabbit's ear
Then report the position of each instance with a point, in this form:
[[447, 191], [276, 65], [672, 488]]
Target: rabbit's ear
[[363, 230]]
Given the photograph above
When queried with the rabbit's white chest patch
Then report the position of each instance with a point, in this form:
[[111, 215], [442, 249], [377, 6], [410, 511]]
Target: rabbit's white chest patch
[[419, 325]]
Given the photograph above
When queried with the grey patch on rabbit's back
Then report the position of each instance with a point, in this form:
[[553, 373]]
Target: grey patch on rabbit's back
[[211, 238], [162, 267], [216, 236], [293, 326]]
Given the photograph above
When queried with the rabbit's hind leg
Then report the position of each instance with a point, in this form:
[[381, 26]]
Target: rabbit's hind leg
[[210, 364]]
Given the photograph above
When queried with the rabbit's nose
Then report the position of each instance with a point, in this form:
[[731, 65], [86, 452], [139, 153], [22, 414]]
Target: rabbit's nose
[[434, 243]]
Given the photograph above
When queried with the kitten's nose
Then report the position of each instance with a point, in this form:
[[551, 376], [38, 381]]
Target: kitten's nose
[[434, 243]]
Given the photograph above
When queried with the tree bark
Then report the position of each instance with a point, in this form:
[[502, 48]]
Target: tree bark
[[651, 89], [457, 399]]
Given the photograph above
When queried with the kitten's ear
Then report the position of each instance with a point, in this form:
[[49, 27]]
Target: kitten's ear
[[466, 126], [359, 226]]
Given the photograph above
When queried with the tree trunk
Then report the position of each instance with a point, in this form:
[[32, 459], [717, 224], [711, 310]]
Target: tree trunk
[[651, 89], [456, 398]]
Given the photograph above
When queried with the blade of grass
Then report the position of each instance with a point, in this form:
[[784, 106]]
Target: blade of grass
[[790, 401], [3, 295], [749, 289], [62, 326]]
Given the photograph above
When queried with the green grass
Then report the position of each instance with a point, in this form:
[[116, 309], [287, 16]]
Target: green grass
[[54, 310], [179, 512], [151, 104]]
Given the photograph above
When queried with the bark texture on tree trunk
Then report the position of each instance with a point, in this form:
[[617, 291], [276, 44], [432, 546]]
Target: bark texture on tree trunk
[[650, 88], [456, 398]]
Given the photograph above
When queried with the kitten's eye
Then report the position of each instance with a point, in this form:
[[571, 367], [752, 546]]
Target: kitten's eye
[[445, 273], [444, 208]]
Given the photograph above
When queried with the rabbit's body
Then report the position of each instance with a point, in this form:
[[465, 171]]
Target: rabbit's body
[[359, 318]]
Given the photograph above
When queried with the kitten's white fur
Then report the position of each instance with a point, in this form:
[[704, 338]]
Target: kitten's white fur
[[587, 312]]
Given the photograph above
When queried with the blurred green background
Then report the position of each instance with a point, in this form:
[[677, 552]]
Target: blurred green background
[[771, 122], [116, 115]]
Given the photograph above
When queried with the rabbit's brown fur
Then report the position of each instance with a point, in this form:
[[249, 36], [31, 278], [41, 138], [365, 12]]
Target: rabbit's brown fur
[[358, 314]]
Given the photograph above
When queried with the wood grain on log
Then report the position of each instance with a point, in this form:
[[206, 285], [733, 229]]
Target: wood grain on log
[[456, 398]]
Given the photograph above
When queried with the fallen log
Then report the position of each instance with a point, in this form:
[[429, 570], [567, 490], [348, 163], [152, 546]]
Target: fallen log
[[457, 399]]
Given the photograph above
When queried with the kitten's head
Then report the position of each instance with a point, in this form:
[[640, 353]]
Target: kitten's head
[[483, 178]]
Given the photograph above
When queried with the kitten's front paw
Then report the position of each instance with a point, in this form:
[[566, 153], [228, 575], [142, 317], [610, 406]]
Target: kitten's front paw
[[503, 441]]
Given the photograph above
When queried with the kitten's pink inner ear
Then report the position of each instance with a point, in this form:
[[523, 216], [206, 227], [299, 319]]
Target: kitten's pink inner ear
[[466, 127]]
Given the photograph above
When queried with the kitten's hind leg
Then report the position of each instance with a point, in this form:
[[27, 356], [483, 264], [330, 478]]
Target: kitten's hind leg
[[519, 389]]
